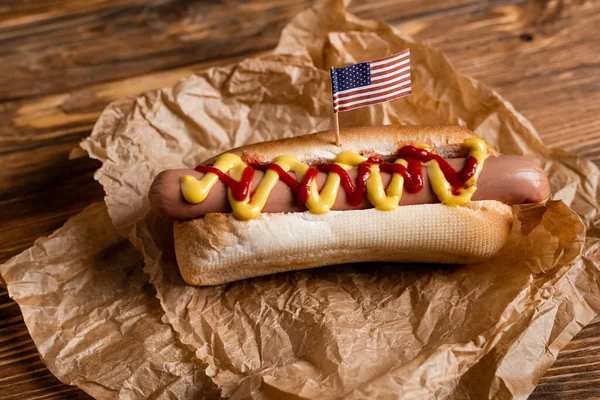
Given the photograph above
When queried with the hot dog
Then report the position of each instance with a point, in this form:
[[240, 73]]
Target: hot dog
[[506, 178], [235, 214]]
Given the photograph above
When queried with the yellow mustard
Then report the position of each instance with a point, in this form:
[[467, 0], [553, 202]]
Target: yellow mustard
[[195, 190], [442, 188]]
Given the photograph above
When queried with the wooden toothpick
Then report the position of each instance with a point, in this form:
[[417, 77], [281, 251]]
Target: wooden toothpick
[[336, 121]]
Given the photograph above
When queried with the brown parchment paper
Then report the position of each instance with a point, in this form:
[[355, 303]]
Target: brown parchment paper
[[354, 331], [357, 331], [94, 317]]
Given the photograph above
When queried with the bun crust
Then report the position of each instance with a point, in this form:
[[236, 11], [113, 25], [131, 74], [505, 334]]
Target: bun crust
[[218, 248], [384, 140]]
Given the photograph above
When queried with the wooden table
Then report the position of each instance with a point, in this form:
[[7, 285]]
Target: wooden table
[[62, 62]]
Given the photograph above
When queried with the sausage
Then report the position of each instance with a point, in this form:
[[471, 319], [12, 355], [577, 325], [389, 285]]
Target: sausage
[[509, 179]]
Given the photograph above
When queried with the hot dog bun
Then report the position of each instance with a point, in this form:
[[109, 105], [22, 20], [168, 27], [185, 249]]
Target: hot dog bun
[[218, 248]]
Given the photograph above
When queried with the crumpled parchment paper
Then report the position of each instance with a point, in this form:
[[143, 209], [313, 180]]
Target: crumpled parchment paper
[[357, 331], [95, 319]]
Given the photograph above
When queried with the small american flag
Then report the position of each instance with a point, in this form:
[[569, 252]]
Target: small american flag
[[371, 82]]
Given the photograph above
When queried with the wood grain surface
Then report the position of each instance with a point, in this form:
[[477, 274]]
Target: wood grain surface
[[62, 62]]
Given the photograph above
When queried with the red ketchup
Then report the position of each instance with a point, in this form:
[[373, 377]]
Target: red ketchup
[[355, 191], [239, 190]]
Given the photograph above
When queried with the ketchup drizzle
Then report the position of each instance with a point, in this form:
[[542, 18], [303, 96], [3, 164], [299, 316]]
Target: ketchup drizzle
[[239, 190], [355, 191], [283, 176]]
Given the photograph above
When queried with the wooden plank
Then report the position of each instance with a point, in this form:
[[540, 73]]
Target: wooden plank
[[576, 372], [48, 52], [51, 53]]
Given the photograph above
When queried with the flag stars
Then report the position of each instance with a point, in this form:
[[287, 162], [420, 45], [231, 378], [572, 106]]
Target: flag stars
[[351, 77]]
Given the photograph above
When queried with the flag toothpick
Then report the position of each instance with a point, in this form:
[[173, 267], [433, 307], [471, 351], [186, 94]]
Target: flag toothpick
[[368, 83], [336, 122], [336, 119]]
